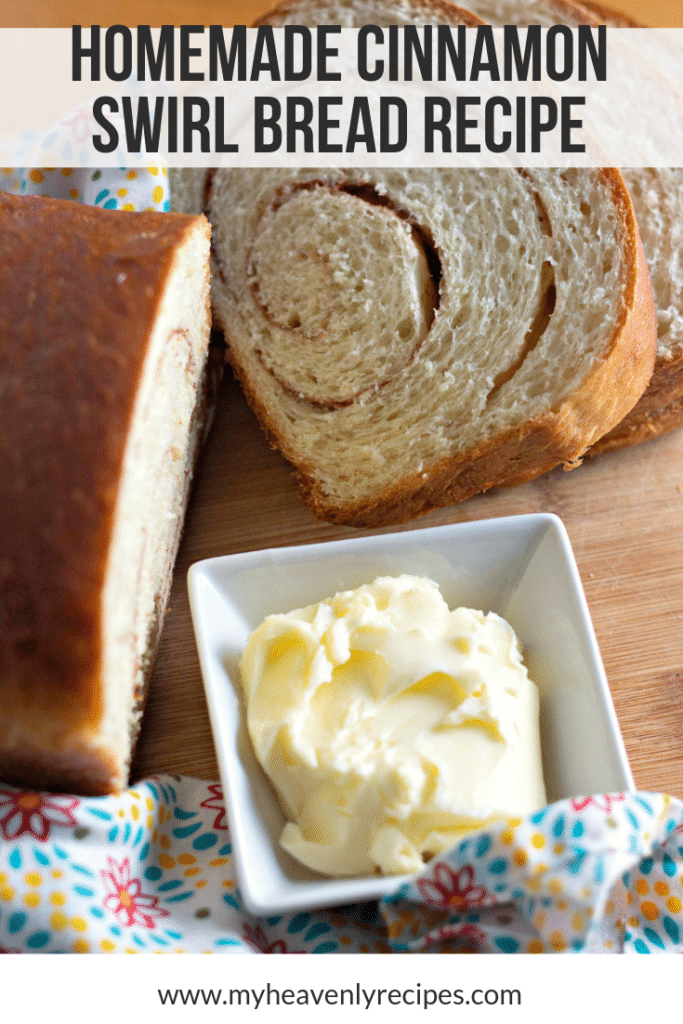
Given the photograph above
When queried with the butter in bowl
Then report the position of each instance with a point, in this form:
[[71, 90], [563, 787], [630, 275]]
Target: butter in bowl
[[389, 726], [397, 715]]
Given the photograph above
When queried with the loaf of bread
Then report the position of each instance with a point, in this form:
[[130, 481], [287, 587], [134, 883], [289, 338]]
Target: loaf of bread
[[104, 335], [410, 337]]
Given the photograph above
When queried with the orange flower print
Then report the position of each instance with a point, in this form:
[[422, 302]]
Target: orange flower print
[[448, 888], [125, 899]]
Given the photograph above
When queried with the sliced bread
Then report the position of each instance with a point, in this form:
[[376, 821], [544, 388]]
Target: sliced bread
[[657, 196], [410, 337], [104, 336]]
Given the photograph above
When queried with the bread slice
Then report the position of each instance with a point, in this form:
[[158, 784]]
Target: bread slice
[[186, 189], [104, 336], [657, 196], [410, 337]]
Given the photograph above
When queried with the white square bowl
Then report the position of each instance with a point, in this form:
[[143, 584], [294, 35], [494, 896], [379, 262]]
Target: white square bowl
[[521, 567]]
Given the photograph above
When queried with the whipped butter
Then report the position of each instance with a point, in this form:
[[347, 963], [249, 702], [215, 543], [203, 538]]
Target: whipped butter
[[389, 725]]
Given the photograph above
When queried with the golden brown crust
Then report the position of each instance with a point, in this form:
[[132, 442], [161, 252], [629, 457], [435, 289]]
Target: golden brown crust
[[76, 770], [658, 411], [665, 389], [560, 435], [80, 292]]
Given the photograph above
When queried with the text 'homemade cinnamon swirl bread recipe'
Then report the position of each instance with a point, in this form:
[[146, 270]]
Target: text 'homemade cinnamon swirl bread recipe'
[[411, 337], [104, 336]]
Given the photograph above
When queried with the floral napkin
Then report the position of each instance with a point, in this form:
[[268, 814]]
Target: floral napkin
[[145, 188], [152, 870]]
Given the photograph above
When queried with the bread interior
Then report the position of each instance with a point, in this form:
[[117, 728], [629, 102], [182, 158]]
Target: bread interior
[[535, 278], [157, 470]]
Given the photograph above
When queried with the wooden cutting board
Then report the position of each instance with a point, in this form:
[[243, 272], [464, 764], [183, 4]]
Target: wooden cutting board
[[623, 512]]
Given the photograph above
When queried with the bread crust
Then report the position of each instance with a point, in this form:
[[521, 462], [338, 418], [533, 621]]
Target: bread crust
[[658, 411], [76, 770], [81, 289]]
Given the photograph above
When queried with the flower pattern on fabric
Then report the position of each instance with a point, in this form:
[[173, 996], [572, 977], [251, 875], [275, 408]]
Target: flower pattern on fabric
[[152, 870], [448, 888], [258, 940], [471, 938], [604, 802], [216, 803], [22, 812], [146, 188], [126, 899], [81, 123], [594, 874]]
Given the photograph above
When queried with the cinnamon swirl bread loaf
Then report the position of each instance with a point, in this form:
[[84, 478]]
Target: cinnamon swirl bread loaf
[[104, 335], [408, 338]]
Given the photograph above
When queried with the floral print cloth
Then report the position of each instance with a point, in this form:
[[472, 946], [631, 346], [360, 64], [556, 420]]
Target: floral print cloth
[[152, 870], [145, 188]]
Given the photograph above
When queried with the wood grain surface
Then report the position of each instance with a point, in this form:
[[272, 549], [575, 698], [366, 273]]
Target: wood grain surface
[[623, 512]]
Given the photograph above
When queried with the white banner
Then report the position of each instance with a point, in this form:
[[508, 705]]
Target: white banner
[[399, 96], [371, 988]]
